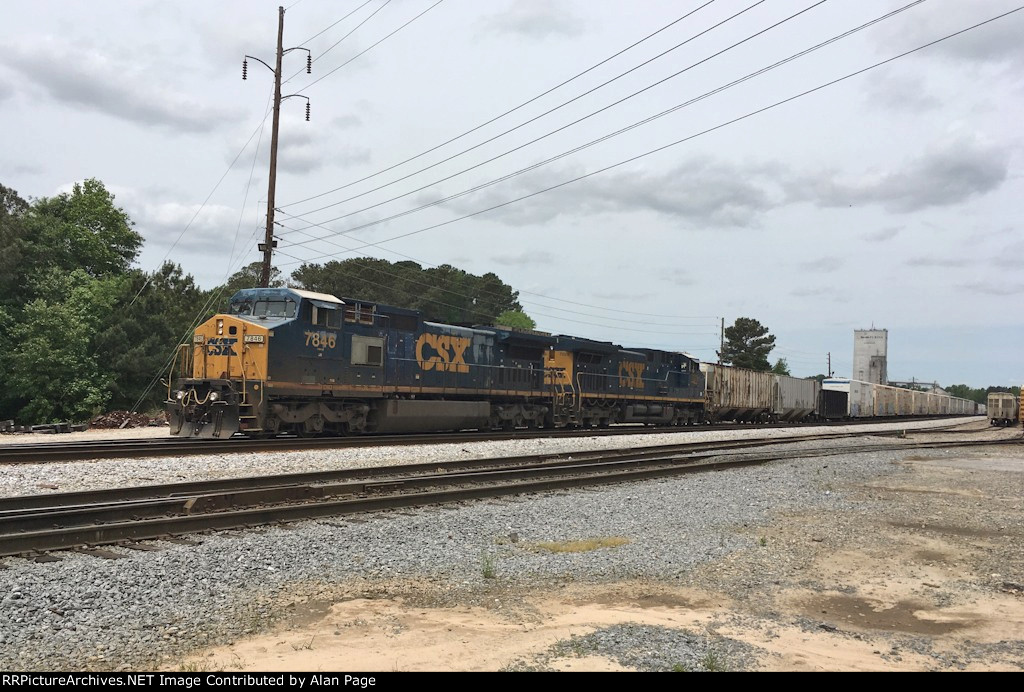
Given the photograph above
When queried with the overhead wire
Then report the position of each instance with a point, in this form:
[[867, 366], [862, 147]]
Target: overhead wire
[[509, 111], [578, 148], [574, 99], [677, 142]]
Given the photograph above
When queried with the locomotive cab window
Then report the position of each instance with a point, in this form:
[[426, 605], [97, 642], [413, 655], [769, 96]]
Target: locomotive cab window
[[324, 315], [273, 308]]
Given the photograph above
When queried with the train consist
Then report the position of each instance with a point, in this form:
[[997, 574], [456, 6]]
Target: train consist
[[1003, 409], [286, 360]]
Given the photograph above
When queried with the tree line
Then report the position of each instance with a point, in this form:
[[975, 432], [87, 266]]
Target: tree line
[[84, 330]]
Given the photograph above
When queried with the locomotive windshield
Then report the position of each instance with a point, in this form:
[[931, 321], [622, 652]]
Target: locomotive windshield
[[264, 308]]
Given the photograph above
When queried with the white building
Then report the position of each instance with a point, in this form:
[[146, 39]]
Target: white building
[[870, 355]]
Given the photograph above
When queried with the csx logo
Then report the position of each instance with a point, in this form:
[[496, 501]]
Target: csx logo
[[442, 352], [631, 375], [221, 346]]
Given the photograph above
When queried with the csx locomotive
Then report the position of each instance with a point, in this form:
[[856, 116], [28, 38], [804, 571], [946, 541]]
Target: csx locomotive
[[286, 360]]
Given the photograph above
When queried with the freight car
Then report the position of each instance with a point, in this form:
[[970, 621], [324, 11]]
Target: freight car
[[283, 359], [1003, 409], [742, 395], [868, 400]]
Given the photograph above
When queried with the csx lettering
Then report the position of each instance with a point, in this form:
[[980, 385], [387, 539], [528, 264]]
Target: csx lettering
[[631, 375], [442, 352], [221, 346]]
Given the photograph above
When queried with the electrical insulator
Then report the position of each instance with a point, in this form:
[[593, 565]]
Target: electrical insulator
[[309, 63], [245, 69], [307, 111]]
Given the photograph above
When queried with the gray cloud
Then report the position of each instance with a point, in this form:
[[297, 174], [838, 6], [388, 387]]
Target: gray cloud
[[883, 234], [525, 258], [998, 42], [347, 121], [1009, 256], [6, 91], [679, 277], [947, 262], [822, 292], [901, 93], [994, 287], [535, 19], [698, 194], [15, 168], [80, 76], [949, 173], [821, 264]]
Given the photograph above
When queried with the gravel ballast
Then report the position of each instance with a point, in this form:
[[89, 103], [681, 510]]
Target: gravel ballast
[[151, 608], [31, 479]]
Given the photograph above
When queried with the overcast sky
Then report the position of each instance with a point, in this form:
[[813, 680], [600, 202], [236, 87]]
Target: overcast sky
[[891, 199]]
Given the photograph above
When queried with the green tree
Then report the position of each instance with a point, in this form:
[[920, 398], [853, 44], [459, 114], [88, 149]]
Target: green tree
[[515, 318], [157, 311], [747, 345], [55, 373], [82, 229], [443, 294], [781, 367]]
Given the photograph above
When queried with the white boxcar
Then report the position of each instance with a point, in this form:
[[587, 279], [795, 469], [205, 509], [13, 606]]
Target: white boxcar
[[920, 403], [737, 393], [795, 398], [885, 400], [860, 402], [904, 402]]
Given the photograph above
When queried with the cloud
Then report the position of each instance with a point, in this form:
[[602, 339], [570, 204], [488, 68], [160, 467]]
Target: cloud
[[901, 93], [678, 277], [998, 42], [947, 262], [81, 76], [302, 148], [832, 294], [535, 19], [347, 121], [6, 91], [883, 234], [14, 168], [525, 258], [821, 265], [994, 287], [949, 173], [700, 193]]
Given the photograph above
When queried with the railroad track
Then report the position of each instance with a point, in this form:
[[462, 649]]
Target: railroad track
[[84, 520], [45, 452]]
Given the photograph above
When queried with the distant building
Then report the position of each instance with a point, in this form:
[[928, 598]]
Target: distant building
[[870, 349]]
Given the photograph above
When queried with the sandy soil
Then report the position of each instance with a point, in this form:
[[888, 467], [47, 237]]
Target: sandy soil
[[931, 582]]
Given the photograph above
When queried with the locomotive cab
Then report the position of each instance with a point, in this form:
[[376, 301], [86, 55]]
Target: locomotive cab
[[222, 376]]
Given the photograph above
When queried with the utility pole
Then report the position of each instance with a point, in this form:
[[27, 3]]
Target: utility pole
[[721, 342], [829, 368], [268, 244]]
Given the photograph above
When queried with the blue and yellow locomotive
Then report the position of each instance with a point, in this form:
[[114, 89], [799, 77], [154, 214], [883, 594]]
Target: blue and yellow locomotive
[[286, 360]]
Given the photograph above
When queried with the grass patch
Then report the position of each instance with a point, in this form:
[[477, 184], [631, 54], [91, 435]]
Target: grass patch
[[712, 663], [582, 546], [488, 566]]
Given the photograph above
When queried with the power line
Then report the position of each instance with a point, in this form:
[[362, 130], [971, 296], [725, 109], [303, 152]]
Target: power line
[[690, 137], [509, 111], [331, 26], [581, 147], [532, 312], [572, 100], [369, 48]]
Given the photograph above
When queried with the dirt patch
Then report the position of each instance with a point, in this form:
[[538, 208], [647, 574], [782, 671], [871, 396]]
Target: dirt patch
[[953, 530], [844, 610]]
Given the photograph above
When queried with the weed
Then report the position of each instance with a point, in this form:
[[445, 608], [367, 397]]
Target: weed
[[681, 668], [764, 541], [488, 566], [712, 663]]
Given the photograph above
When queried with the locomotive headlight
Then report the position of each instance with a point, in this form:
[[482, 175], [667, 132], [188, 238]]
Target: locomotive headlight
[[214, 396], [179, 395]]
